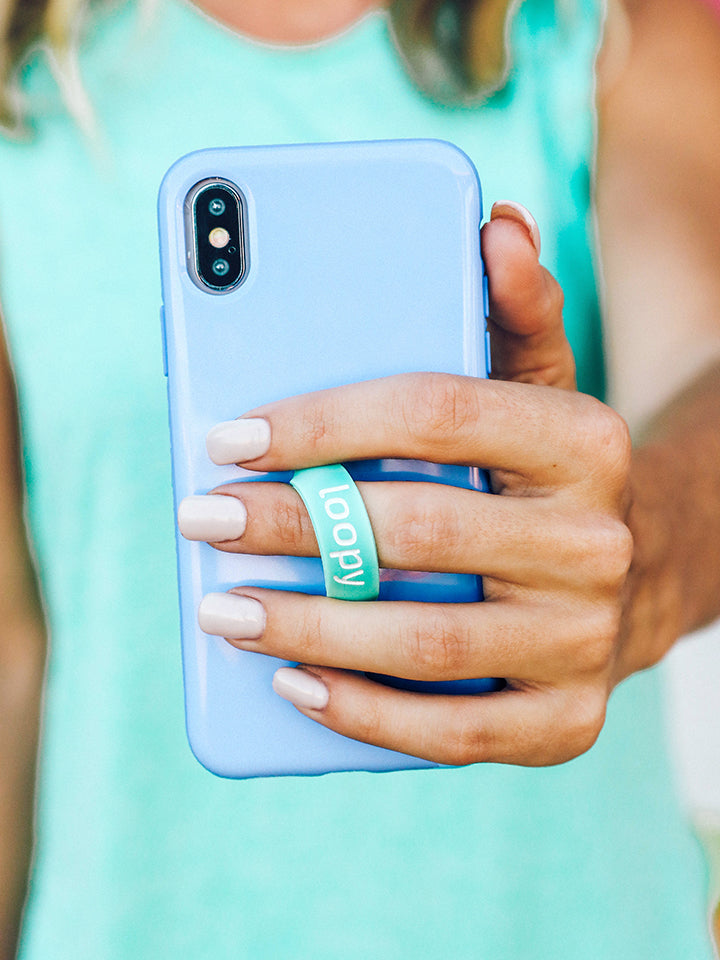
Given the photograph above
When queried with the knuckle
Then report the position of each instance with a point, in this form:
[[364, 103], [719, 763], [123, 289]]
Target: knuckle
[[468, 743], [610, 550], [619, 553], [585, 720], [420, 528], [435, 646], [312, 425], [551, 301], [309, 633], [596, 648], [289, 523], [369, 724], [437, 407], [607, 439]]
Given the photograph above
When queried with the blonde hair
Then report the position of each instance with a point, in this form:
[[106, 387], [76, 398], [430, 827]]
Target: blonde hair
[[54, 26], [456, 51]]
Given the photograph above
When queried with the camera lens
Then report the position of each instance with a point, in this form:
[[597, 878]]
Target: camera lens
[[220, 267], [216, 206]]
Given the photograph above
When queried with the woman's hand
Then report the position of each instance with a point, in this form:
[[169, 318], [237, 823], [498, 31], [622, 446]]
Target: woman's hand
[[553, 547]]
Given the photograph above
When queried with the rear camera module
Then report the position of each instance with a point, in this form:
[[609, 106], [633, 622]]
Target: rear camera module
[[215, 222]]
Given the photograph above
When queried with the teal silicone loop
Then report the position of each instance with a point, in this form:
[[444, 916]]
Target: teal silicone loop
[[343, 531]]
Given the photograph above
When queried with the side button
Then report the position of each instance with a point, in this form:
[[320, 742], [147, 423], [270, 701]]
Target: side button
[[164, 340], [486, 313]]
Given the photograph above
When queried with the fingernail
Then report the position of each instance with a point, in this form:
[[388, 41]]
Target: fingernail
[[516, 211], [232, 616], [301, 688], [236, 441], [215, 517]]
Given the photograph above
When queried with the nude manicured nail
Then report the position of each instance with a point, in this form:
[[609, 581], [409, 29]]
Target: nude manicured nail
[[211, 518], [232, 616], [301, 688], [516, 211], [236, 441]]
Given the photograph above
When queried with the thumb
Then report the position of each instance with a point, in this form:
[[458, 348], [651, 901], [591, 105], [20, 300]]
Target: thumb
[[527, 337]]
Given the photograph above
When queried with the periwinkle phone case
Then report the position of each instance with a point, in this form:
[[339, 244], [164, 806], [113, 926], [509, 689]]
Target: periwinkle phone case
[[363, 261]]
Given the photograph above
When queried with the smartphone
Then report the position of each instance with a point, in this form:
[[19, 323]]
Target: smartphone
[[287, 269]]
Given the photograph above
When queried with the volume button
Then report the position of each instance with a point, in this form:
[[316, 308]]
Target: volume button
[[486, 313], [164, 340]]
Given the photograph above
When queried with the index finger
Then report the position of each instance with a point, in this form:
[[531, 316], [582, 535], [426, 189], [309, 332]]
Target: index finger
[[545, 434]]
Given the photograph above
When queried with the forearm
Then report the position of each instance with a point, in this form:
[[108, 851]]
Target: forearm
[[21, 676], [674, 515], [22, 659], [658, 205]]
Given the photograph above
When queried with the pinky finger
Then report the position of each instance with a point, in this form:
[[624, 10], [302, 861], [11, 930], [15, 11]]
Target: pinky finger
[[529, 727]]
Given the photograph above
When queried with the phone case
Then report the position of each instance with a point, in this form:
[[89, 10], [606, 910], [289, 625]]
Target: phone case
[[363, 261]]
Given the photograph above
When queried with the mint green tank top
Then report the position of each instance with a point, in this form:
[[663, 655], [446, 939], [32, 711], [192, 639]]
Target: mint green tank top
[[142, 853]]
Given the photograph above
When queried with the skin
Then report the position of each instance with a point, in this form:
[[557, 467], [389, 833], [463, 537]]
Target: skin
[[552, 612], [658, 202], [623, 539], [22, 658], [288, 21], [623, 556]]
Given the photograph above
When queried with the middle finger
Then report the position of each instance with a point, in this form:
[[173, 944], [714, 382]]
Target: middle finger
[[422, 526]]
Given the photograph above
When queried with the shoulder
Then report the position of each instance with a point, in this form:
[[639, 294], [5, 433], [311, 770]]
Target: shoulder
[[670, 43], [658, 81], [658, 195]]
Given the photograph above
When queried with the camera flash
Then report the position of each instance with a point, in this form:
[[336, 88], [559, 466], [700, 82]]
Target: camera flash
[[219, 237]]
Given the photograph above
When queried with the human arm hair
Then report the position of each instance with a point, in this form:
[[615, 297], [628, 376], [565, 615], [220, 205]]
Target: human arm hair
[[22, 657]]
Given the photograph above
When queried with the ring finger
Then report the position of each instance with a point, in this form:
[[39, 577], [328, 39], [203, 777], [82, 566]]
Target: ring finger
[[417, 526], [418, 641]]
